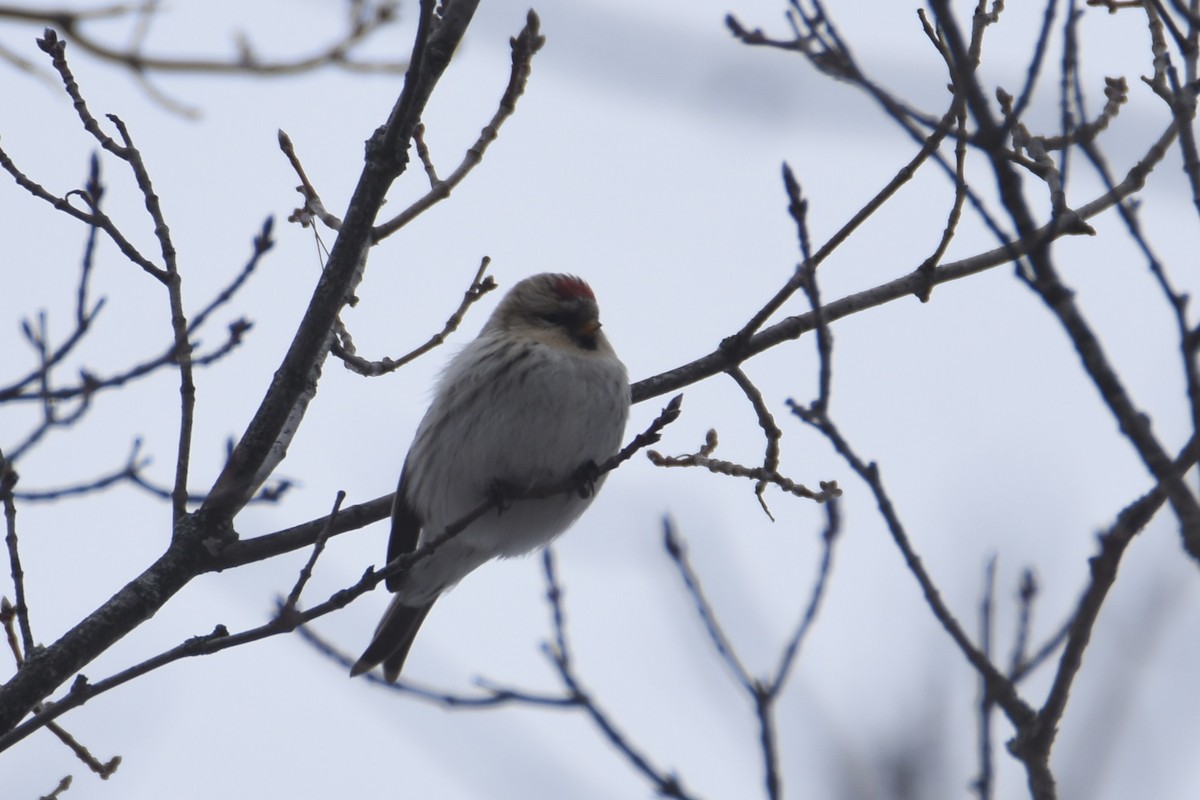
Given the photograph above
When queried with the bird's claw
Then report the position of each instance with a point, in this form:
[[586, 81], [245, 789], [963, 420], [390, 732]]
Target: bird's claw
[[585, 479], [500, 494]]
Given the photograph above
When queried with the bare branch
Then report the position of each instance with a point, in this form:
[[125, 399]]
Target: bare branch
[[492, 695], [63, 785], [203, 557], [740, 344], [1025, 597], [20, 610], [372, 18], [666, 784], [343, 346], [771, 432], [1035, 741], [91, 384], [199, 535], [983, 783], [289, 606], [581, 483], [9, 614], [524, 46], [260, 548], [829, 489], [262, 243], [313, 207], [94, 216], [998, 685], [915, 283], [1047, 283], [103, 769], [266, 438], [829, 537], [691, 582]]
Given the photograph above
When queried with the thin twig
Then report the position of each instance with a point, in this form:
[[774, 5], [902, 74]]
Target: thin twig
[[580, 482], [914, 283], [63, 785], [336, 53], [720, 642], [492, 695], [983, 783], [524, 46], [808, 281], [20, 609], [220, 638], [313, 207], [179, 324], [666, 784], [999, 685], [739, 344], [102, 768], [1034, 69], [1060, 301], [289, 606], [1103, 574], [91, 384], [829, 537], [343, 346], [269, 433], [94, 216], [1025, 597], [423, 154], [771, 432], [829, 489], [260, 246], [8, 615]]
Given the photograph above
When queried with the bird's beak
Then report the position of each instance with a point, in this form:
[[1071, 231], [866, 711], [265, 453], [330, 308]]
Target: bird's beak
[[589, 328]]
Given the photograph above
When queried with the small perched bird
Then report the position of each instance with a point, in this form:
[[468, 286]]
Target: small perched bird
[[537, 398]]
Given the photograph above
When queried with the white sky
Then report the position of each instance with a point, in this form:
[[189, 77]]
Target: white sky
[[645, 157]]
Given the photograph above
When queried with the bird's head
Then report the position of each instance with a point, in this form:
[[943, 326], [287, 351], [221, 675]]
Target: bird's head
[[558, 309]]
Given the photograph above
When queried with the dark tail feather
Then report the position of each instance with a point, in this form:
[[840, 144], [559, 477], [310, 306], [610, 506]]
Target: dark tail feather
[[392, 641]]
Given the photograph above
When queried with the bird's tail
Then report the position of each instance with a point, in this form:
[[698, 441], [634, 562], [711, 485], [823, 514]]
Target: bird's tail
[[392, 640]]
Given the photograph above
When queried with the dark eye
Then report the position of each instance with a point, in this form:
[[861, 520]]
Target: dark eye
[[560, 319]]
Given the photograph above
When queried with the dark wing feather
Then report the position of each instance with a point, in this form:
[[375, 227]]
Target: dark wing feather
[[394, 636], [406, 528], [392, 641]]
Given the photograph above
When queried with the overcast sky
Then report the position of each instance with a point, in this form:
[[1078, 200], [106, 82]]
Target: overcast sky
[[645, 157]]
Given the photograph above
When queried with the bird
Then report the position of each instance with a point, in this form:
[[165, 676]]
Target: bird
[[538, 399]]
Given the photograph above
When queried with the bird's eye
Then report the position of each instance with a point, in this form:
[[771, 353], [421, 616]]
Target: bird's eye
[[557, 318]]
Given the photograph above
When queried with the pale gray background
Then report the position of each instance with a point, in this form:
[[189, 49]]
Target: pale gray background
[[645, 157]]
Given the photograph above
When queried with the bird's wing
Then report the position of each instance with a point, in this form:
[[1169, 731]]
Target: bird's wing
[[406, 527], [392, 640]]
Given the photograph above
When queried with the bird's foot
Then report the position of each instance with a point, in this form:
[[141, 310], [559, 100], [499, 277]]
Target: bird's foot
[[585, 479], [500, 494]]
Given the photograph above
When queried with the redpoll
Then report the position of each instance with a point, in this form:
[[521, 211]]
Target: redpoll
[[537, 398]]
